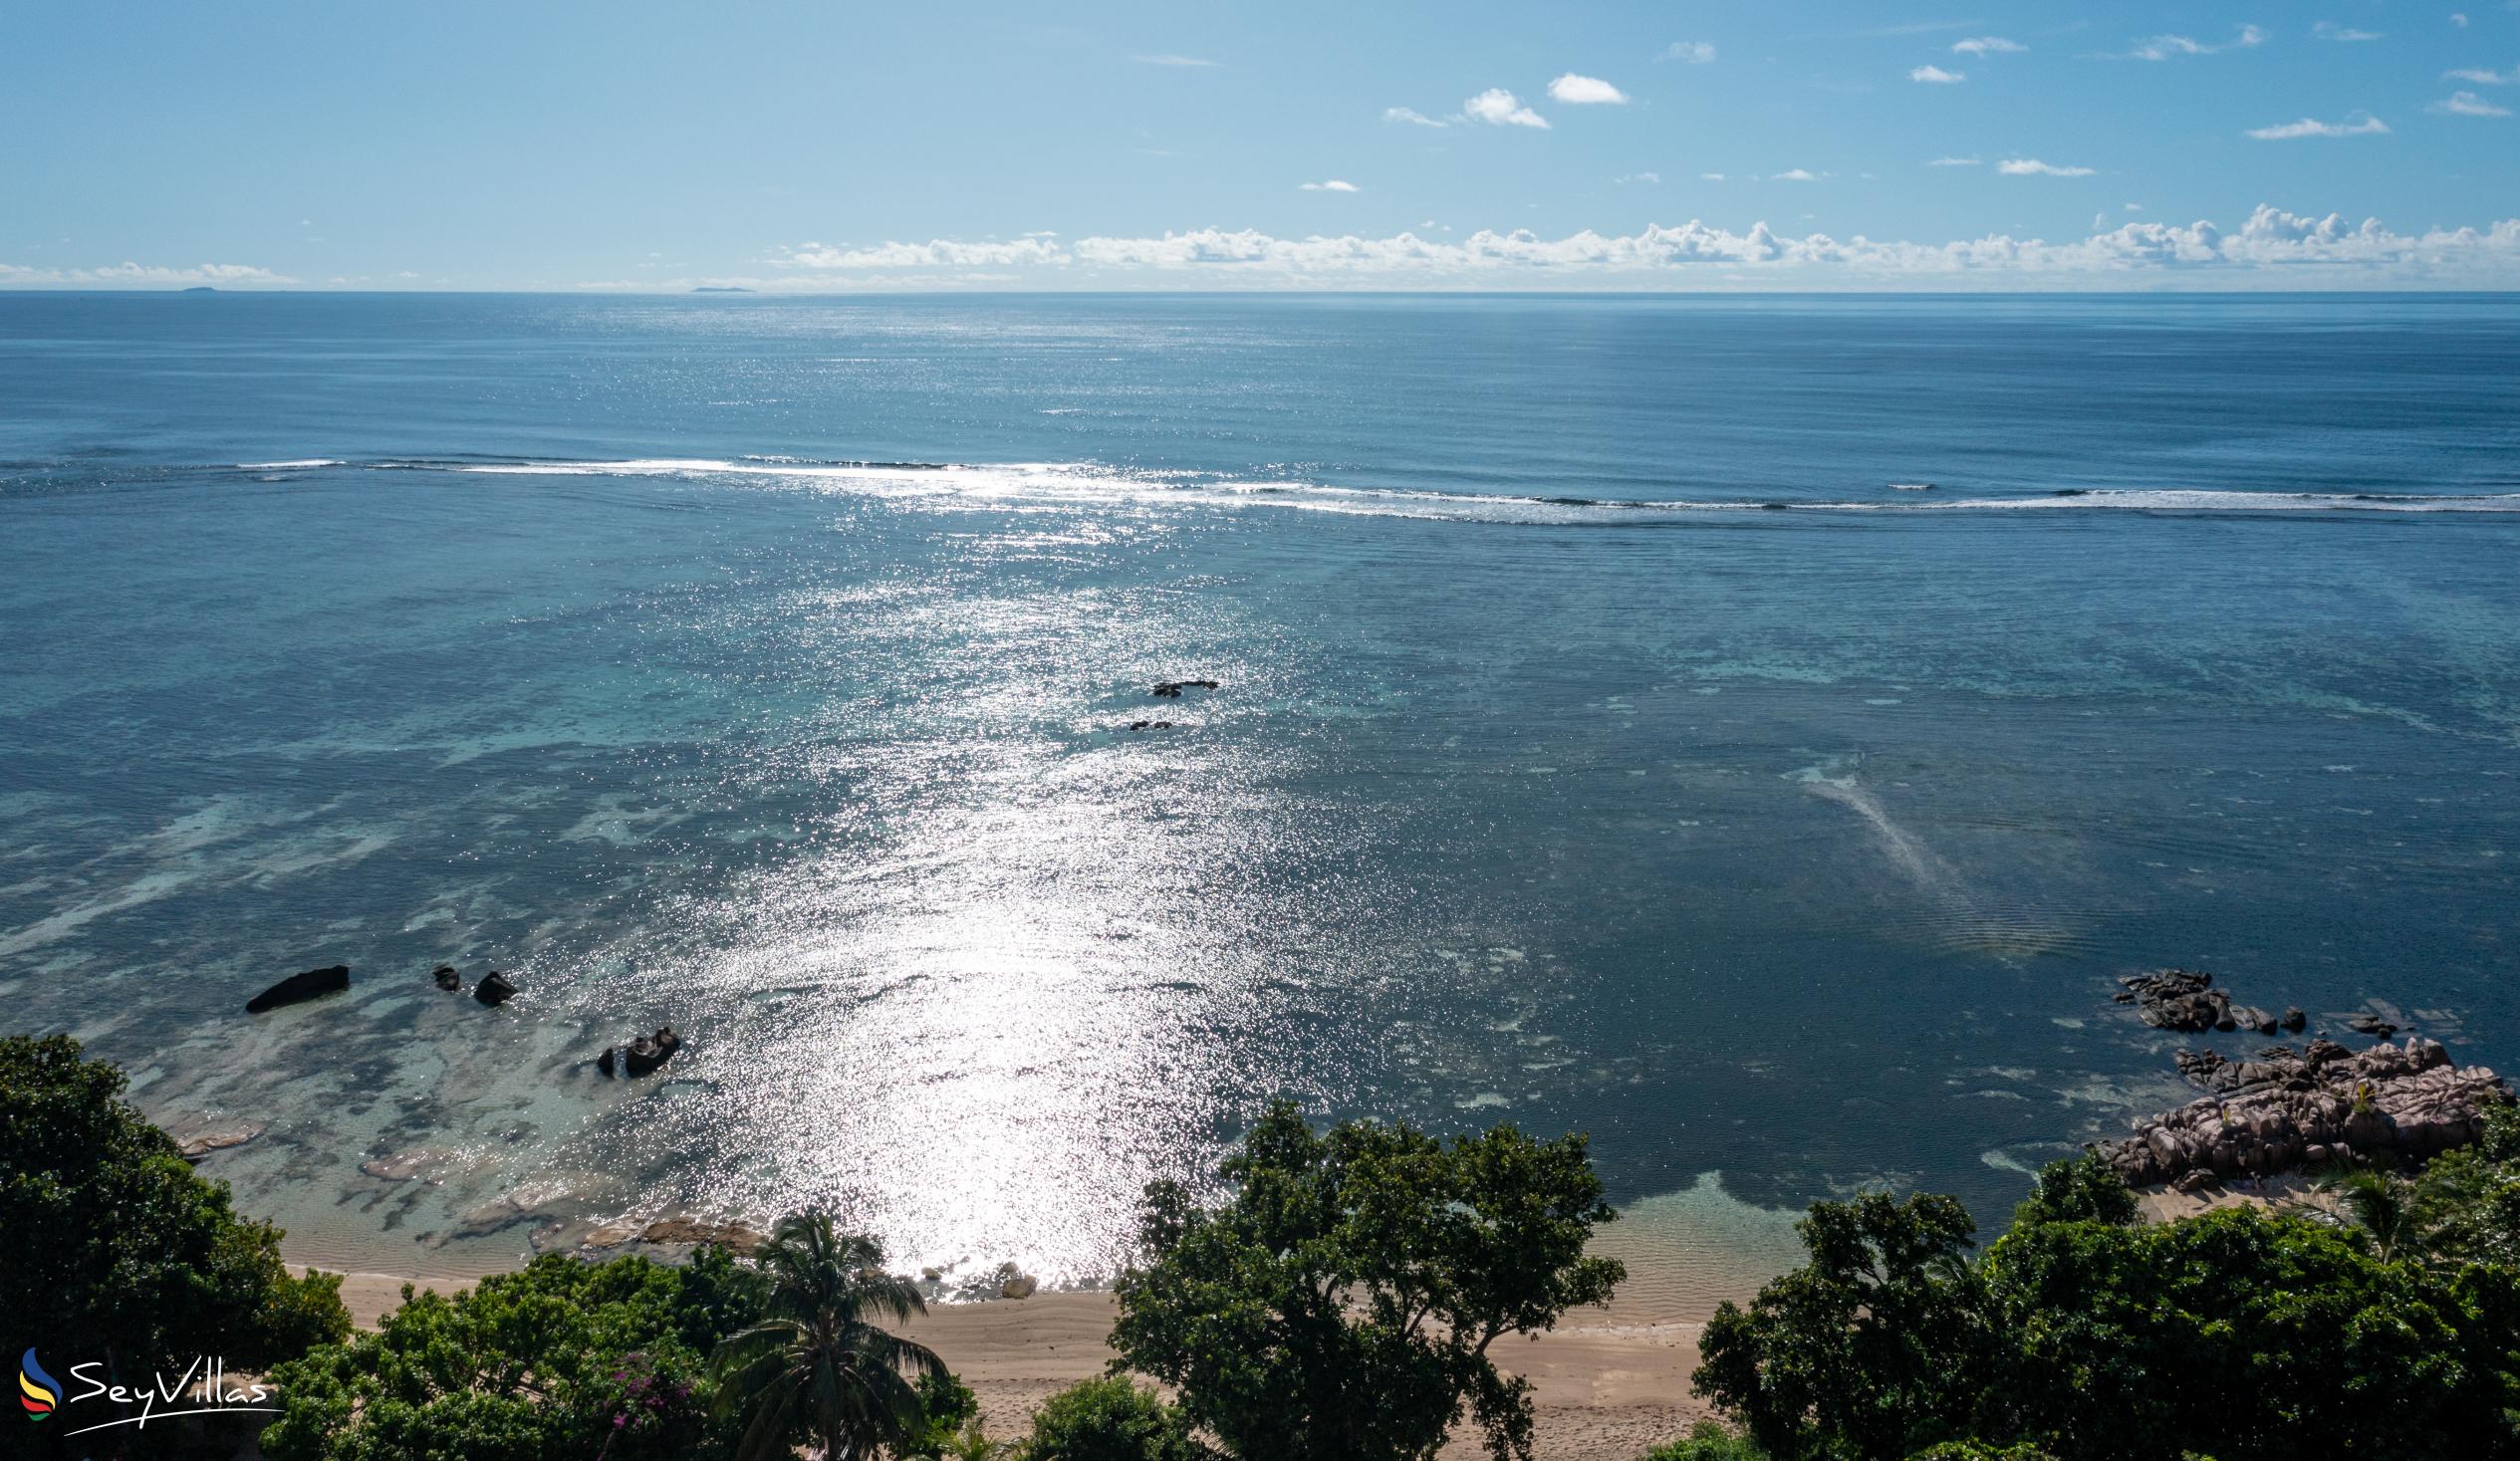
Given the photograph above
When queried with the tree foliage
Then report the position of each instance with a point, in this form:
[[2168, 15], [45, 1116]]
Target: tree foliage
[[1340, 1306], [115, 1249], [2083, 1335], [1867, 1351], [817, 1368], [560, 1359]]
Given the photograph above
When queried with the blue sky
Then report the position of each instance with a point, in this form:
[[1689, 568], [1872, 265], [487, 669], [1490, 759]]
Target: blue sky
[[2358, 144]]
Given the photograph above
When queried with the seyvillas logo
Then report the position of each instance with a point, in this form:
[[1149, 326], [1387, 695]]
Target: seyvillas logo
[[203, 1387], [37, 1391]]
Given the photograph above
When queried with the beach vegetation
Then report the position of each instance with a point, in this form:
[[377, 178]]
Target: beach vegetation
[[563, 1358], [118, 1251], [817, 1368], [1110, 1419], [2087, 1337], [1710, 1440], [1343, 1300]]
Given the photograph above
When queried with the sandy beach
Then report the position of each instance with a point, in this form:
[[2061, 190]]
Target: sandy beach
[[1607, 1390]]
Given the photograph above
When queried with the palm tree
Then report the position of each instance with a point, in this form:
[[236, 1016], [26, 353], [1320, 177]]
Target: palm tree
[[816, 1368], [2376, 1203]]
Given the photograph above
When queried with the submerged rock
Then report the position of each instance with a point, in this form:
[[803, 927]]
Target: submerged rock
[[447, 979], [2284, 1111], [1171, 690], [495, 988], [309, 985], [2372, 1025], [677, 1231], [193, 1148]]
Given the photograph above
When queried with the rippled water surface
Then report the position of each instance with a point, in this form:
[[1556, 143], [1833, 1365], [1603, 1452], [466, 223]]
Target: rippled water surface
[[1616, 731]]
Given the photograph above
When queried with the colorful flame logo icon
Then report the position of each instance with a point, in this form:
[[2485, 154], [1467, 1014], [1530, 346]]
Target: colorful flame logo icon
[[37, 1391]]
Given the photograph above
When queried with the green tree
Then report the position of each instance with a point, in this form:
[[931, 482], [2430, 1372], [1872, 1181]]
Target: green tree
[[2466, 1203], [562, 1359], [815, 1368], [1877, 1347], [2077, 1189], [1109, 1419], [2237, 1333], [116, 1251], [2379, 1205], [1340, 1306]]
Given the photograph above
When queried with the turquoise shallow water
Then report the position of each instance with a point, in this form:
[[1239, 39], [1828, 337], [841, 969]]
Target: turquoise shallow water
[[1604, 739]]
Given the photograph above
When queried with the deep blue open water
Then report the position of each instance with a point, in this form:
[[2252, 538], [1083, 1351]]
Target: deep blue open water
[[1604, 741]]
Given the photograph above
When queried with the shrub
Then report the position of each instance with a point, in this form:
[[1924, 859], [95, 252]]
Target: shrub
[[560, 1358], [1109, 1419]]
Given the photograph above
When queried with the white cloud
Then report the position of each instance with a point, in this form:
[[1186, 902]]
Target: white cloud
[[1986, 46], [1637, 177], [1796, 174], [1412, 116], [2483, 77], [2311, 127], [1166, 59], [1937, 76], [1586, 91], [1710, 177], [2458, 19], [1955, 162], [1695, 52], [2468, 103], [2328, 30], [2135, 207], [1499, 106], [939, 254], [129, 275], [2282, 248], [2033, 167], [1332, 185], [2162, 48]]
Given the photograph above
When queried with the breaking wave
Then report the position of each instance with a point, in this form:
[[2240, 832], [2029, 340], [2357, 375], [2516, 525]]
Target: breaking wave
[[1064, 482]]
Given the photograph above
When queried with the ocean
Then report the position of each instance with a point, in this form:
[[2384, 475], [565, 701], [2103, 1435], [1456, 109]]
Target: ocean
[[1755, 731]]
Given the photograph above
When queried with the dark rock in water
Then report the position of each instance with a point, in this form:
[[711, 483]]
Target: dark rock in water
[[2372, 1025], [298, 987], [2294, 1021], [648, 1051], [1171, 690], [2250, 1016], [1140, 724], [2271, 1113], [447, 979], [604, 1062], [2181, 999], [495, 988]]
